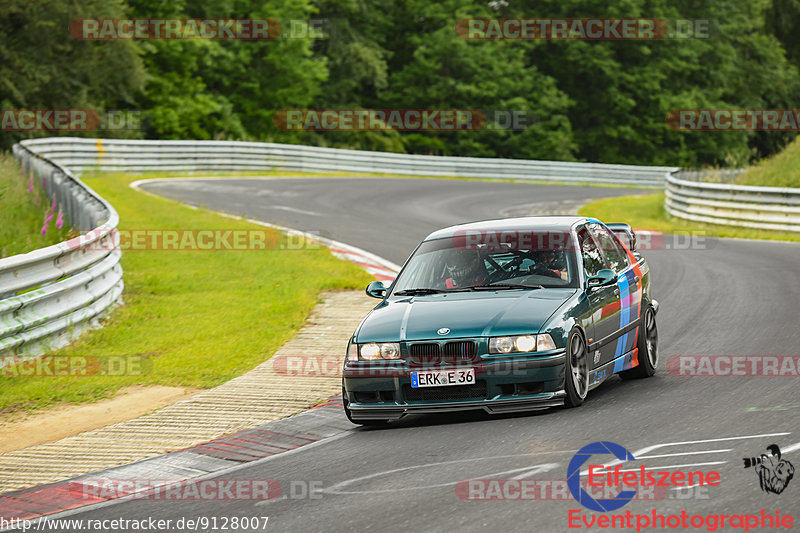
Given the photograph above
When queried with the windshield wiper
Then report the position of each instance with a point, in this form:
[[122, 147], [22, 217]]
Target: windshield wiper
[[425, 290], [417, 292], [505, 286]]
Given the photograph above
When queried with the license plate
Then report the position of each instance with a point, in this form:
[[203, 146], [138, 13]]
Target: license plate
[[439, 378]]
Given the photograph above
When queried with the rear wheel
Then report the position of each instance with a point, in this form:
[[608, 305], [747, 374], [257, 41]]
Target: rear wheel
[[647, 344], [576, 380]]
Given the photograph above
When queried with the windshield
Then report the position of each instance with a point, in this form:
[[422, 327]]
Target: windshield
[[442, 265]]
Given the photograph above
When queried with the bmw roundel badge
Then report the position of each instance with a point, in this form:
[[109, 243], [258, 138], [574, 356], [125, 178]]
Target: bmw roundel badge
[[443, 331]]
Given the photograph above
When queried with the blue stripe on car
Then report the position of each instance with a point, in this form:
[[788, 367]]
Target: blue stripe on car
[[624, 317]]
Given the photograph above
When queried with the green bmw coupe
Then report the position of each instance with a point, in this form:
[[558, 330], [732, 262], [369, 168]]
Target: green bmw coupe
[[504, 315]]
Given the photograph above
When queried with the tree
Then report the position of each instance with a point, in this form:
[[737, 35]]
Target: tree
[[43, 67]]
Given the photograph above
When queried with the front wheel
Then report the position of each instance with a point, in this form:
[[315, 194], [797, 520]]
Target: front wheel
[[576, 380], [647, 344]]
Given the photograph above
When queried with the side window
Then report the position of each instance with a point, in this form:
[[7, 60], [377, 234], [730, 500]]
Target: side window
[[615, 255], [593, 260]]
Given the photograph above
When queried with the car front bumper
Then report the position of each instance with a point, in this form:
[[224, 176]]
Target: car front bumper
[[511, 385]]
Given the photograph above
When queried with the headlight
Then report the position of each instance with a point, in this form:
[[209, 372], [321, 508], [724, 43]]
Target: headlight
[[390, 350], [525, 343], [375, 351], [501, 344], [370, 351], [521, 344]]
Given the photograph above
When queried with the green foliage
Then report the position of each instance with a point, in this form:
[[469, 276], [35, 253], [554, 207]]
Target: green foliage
[[43, 67], [623, 90], [445, 71], [601, 101]]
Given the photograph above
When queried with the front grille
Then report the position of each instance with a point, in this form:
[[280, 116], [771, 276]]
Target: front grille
[[424, 348], [459, 352], [441, 394], [424, 353], [431, 353]]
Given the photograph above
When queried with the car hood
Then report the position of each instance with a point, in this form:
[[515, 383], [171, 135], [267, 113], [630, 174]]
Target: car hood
[[465, 314]]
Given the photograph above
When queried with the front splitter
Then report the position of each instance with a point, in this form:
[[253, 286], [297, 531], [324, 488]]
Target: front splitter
[[512, 405]]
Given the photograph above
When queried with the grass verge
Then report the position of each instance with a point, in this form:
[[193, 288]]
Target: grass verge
[[647, 212], [191, 318], [23, 212], [780, 170]]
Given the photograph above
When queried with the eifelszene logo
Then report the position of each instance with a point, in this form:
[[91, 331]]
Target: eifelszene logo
[[615, 476], [774, 473], [574, 476]]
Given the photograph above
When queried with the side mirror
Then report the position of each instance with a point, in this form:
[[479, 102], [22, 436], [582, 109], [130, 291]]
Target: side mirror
[[624, 233], [603, 278], [376, 289], [628, 238]]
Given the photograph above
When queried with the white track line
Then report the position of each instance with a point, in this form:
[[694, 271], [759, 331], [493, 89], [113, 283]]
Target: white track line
[[646, 449], [656, 446], [791, 448], [681, 454]]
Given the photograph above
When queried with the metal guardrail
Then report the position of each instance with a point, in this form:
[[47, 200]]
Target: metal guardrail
[[772, 208], [49, 296], [81, 155], [720, 175]]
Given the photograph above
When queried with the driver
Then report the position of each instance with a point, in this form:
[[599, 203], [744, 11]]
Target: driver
[[546, 262], [463, 268]]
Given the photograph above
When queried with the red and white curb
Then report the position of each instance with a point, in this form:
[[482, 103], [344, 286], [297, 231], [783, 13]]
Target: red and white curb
[[212, 459]]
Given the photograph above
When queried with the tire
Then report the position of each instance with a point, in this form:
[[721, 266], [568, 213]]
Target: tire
[[647, 343], [576, 375], [369, 422]]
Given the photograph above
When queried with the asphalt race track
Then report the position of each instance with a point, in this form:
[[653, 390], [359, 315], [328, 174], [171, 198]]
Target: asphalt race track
[[721, 297]]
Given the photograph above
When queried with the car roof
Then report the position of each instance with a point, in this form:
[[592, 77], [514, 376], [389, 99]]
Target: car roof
[[559, 222]]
